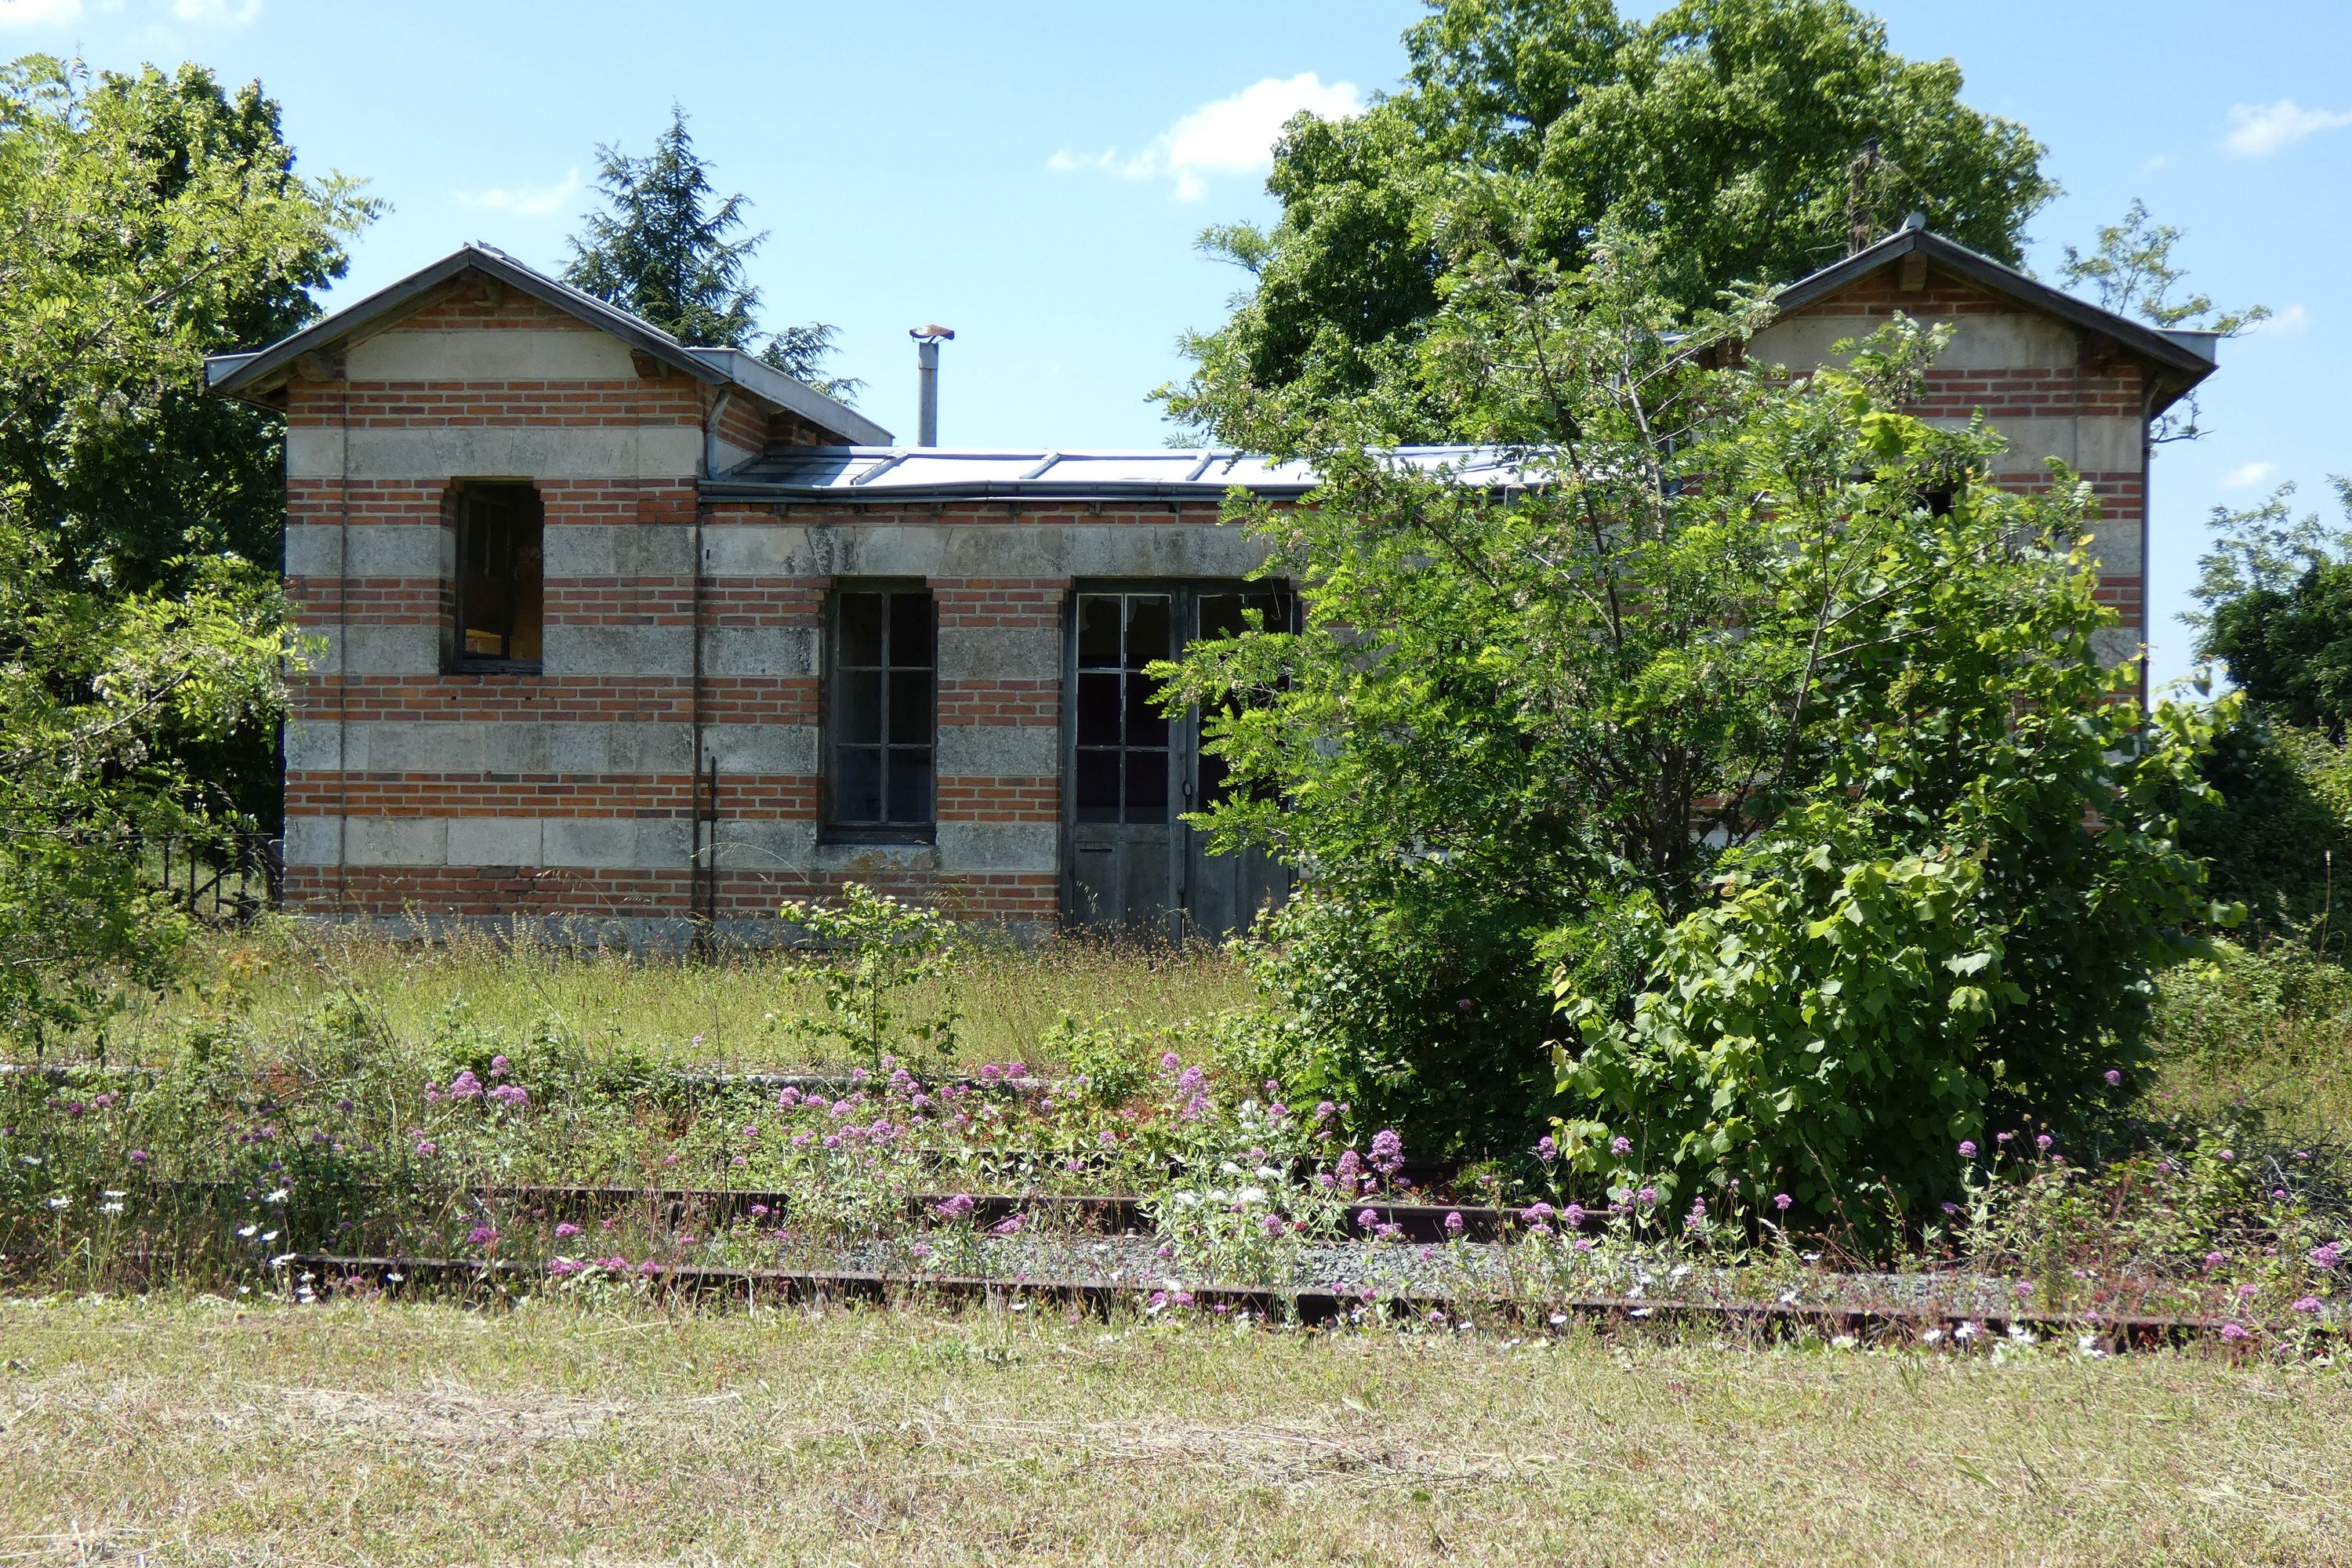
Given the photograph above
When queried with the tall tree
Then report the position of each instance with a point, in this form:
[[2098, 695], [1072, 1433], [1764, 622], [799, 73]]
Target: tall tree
[[1759, 706], [136, 474], [2276, 597], [672, 250], [1750, 139], [151, 219], [2130, 272]]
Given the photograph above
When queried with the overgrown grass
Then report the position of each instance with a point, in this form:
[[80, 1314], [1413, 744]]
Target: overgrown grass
[[2264, 1028], [731, 1012], [193, 1431]]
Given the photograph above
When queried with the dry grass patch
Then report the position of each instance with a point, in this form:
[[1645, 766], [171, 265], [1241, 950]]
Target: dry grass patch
[[189, 1432]]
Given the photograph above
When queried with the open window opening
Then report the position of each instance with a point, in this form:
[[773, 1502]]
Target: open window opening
[[500, 604], [884, 714]]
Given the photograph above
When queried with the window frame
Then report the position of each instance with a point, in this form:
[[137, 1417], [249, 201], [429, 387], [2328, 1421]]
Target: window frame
[[830, 828], [460, 661]]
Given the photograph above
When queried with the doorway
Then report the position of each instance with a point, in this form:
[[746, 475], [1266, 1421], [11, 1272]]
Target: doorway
[[1133, 772]]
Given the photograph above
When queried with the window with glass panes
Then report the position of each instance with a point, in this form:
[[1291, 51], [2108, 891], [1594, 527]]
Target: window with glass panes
[[500, 525], [1121, 754], [885, 665], [1229, 614]]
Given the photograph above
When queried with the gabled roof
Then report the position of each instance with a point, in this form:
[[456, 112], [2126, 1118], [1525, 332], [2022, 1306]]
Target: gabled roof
[[247, 375], [972, 473], [2178, 359]]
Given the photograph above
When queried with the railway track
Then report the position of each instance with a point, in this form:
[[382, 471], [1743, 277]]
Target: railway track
[[329, 1273]]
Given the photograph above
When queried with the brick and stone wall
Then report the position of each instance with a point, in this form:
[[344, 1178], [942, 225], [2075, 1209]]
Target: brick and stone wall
[[572, 793], [2052, 391]]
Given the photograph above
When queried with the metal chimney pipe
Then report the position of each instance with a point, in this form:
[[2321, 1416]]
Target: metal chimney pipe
[[927, 381]]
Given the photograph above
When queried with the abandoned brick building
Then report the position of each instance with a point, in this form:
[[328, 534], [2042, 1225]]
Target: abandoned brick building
[[631, 632]]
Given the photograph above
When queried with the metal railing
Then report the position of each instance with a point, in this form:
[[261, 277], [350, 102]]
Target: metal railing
[[228, 883]]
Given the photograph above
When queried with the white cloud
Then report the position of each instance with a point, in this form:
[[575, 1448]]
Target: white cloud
[[523, 201], [1230, 136], [2290, 322], [2245, 476], [2259, 129], [2155, 163], [218, 13], [37, 12]]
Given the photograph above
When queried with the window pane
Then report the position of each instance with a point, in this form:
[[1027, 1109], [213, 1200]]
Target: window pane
[[1145, 725], [1098, 709], [1146, 786], [910, 631], [499, 593], [860, 720], [1212, 779], [1097, 786], [526, 595], [1146, 629], [859, 617], [1220, 614], [910, 784], [857, 792], [1099, 631], [910, 707]]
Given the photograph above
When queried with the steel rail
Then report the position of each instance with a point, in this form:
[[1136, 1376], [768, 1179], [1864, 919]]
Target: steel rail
[[331, 1271]]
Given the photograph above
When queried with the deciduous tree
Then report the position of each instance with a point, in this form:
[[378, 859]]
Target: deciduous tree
[[1755, 712], [1751, 139]]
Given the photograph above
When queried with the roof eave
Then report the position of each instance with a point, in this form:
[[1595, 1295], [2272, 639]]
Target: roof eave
[[794, 396], [250, 374], [2180, 364]]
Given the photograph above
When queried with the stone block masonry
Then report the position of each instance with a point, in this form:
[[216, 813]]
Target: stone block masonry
[[681, 625], [574, 789]]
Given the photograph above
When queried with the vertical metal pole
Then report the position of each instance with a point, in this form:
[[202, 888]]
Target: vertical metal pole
[[927, 384]]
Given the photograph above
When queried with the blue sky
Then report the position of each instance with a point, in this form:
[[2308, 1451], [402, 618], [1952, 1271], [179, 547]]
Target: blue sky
[[1033, 173]]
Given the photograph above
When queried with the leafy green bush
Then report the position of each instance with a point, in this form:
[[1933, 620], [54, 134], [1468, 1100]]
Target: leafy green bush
[[1109, 1055], [1429, 1016], [2280, 827], [1754, 704], [871, 951]]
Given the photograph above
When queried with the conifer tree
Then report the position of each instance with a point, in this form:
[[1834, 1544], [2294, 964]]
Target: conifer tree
[[671, 250]]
